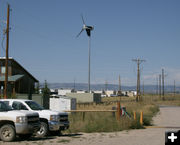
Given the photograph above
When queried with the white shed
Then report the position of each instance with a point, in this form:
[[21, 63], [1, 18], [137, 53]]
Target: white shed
[[62, 104], [64, 91]]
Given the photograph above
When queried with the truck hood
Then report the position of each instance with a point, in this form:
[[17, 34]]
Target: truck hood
[[50, 112], [22, 113]]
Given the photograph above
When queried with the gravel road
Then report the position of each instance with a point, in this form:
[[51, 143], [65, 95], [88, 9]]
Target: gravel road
[[167, 119]]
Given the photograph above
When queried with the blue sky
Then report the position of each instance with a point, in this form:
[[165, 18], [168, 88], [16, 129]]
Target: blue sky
[[43, 39]]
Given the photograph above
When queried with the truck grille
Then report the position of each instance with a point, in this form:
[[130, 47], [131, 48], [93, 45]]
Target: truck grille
[[33, 119], [63, 118]]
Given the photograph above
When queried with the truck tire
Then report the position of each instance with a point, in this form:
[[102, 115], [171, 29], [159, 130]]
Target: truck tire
[[7, 133], [25, 136], [43, 131]]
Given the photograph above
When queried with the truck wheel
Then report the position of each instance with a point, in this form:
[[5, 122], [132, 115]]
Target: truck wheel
[[43, 131], [25, 136], [7, 133]]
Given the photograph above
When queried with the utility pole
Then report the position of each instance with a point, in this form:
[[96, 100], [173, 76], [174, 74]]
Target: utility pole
[[174, 88], [143, 88], [7, 51], [119, 92], [163, 83], [89, 65], [160, 86], [106, 86], [157, 82], [74, 84], [138, 61]]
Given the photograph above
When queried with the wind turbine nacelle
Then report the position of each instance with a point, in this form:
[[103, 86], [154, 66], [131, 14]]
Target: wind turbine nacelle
[[90, 27]]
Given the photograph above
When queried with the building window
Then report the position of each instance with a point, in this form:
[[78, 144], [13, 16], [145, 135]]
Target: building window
[[3, 70]]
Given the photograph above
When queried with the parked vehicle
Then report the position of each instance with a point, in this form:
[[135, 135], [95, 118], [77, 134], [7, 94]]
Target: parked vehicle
[[50, 120], [12, 122]]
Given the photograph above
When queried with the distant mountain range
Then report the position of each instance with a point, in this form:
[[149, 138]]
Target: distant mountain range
[[84, 86]]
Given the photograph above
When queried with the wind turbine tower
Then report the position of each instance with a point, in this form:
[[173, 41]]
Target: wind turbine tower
[[88, 31]]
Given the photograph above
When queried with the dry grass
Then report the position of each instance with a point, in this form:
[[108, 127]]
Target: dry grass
[[106, 121], [97, 122]]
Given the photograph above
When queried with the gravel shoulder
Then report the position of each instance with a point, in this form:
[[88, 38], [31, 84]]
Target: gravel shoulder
[[167, 119]]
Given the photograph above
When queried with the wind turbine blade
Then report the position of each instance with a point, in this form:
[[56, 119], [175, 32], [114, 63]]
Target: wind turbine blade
[[79, 33], [83, 19]]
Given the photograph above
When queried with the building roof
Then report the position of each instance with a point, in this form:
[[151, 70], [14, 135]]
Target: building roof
[[13, 78], [10, 58]]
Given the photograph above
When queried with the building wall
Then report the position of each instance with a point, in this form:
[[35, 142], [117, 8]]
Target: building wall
[[110, 92], [36, 97], [97, 97], [26, 83], [62, 103], [63, 92], [42, 100], [85, 97], [2, 65]]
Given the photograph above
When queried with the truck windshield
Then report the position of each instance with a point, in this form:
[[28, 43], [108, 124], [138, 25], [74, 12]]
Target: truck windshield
[[34, 106], [4, 107]]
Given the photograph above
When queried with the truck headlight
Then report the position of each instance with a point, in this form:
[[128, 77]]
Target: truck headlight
[[54, 118], [21, 119]]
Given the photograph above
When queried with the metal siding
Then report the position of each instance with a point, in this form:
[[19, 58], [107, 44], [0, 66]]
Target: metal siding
[[36, 97], [85, 97]]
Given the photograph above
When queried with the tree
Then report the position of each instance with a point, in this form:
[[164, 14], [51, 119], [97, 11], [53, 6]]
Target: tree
[[46, 95], [37, 88]]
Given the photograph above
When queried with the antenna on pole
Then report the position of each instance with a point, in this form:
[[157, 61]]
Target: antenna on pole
[[138, 61], [7, 52]]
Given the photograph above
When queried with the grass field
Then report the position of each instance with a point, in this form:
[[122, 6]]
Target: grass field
[[107, 122]]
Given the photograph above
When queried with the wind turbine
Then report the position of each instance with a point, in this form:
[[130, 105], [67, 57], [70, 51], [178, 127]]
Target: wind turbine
[[88, 31]]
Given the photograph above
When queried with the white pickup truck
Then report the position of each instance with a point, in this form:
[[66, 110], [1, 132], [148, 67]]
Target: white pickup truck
[[50, 120], [12, 122]]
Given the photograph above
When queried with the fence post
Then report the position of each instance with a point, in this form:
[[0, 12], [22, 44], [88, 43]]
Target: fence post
[[118, 111], [141, 118], [83, 115], [134, 115]]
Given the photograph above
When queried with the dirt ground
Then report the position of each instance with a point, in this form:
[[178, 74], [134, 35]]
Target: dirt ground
[[167, 119]]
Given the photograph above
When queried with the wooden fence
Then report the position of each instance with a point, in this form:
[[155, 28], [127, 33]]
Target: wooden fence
[[117, 111]]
